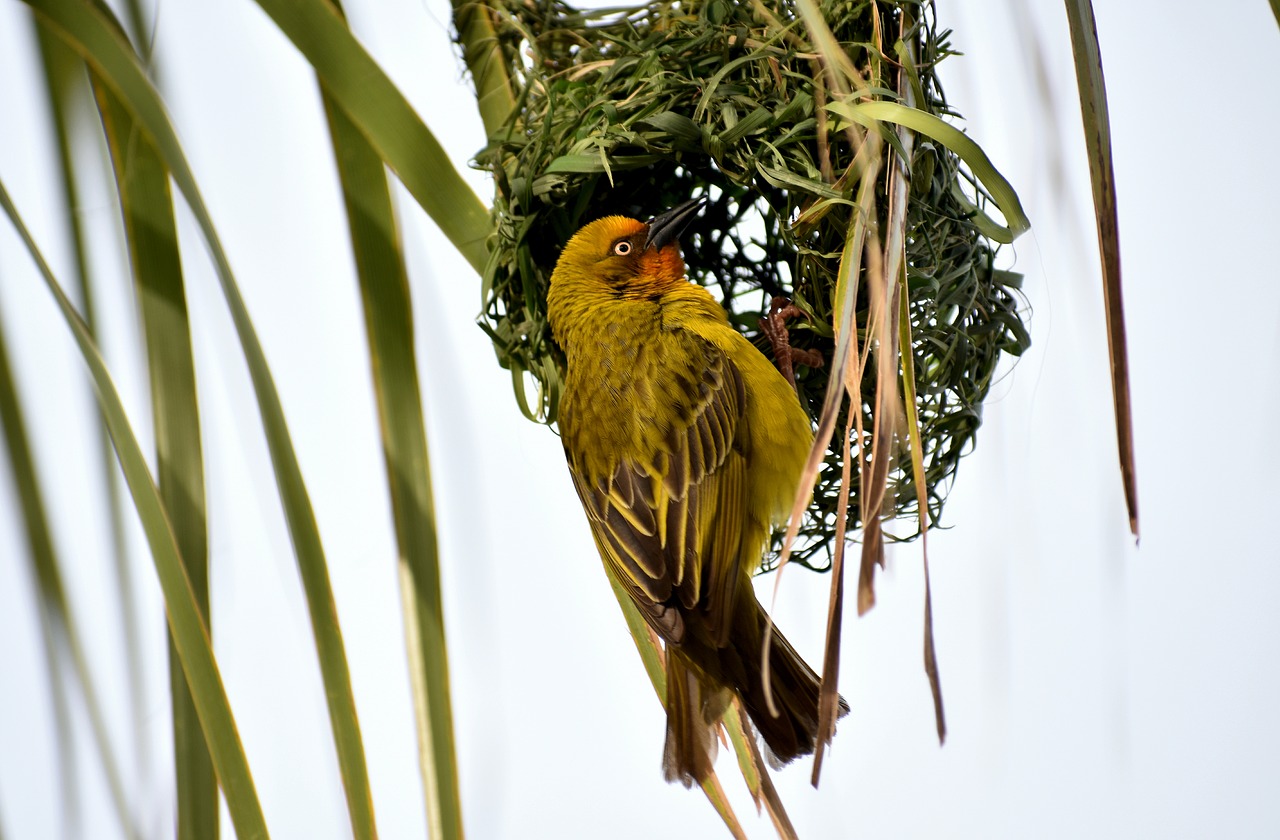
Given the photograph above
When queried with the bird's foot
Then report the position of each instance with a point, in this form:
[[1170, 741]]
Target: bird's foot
[[774, 327]]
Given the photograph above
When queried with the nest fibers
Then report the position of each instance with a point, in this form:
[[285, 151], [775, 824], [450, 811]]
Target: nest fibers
[[632, 111]]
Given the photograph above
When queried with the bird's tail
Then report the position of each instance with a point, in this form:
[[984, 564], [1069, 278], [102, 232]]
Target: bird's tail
[[698, 683], [694, 706], [795, 687]]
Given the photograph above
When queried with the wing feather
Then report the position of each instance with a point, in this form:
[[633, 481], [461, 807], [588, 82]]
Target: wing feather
[[669, 516]]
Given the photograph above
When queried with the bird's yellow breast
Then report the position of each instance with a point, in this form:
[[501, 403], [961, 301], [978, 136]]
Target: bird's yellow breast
[[631, 366], [637, 334]]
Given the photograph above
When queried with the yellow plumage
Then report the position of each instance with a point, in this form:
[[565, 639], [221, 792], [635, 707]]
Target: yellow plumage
[[685, 445]]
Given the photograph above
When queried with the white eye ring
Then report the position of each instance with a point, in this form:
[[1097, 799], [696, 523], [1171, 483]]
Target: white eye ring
[[622, 248]]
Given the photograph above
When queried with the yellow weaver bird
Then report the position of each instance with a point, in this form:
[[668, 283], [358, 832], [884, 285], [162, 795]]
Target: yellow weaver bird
[[685, 445]]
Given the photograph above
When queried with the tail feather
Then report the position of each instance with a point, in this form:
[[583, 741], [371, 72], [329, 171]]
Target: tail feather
[[694, 707], [793, 732], [699, 679]]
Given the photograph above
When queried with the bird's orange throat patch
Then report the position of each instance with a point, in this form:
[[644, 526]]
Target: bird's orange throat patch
[[660, 271]]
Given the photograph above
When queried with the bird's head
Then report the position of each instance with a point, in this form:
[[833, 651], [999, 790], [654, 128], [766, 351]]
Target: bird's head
[[626, 257]]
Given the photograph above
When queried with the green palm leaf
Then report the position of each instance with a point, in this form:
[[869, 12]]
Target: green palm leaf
[[152, 235], [96, 36], [380, 111], [58, 621], [190, 634]]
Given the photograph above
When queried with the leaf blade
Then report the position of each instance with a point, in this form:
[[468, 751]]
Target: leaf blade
[[58, 625], [388, 315], [1002, 192], [189, 631], [151, 234], [65, 86], [90, 30], [385, 117], [1097, 135], [916, 444], [652, 657]]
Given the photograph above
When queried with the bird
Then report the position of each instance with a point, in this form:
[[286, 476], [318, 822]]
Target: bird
[[685, 445]]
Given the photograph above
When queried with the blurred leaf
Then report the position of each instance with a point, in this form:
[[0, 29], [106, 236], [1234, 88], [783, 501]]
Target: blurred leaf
[[384, 116], [65, 82], [743, 731], [96, 36], [1097, 138], [189, 631], [58, 623], [151, 233], [153, 243], [139, 31], [652, 657], [740, 733], [388, 316]]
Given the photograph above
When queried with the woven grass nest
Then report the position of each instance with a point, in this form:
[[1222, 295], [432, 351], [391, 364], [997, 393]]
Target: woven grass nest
[[632, 111]]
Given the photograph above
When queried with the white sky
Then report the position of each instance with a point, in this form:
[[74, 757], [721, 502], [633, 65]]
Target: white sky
[[1092, 689]]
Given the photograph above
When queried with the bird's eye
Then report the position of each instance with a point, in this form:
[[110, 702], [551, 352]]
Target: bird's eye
[[622, 248]]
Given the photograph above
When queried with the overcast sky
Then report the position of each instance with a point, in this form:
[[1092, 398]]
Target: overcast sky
[[1092, 689]]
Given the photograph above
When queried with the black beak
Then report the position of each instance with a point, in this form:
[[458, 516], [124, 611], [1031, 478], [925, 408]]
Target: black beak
[[666, 228]]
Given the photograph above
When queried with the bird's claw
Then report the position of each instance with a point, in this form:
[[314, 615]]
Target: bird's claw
[[774, 327]]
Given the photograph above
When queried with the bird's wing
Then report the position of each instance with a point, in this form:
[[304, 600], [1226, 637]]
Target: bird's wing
[[669, 517]]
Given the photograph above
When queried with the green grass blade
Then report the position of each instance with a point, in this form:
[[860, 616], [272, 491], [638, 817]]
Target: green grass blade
[[384, 116], [64, 76], [189, 631], [1002, 192], [739, 733], [384, 290], [1097, 138], [97, 37], [151, 234], [64, 82], [651, 656], [388, 315], [57, 623]]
